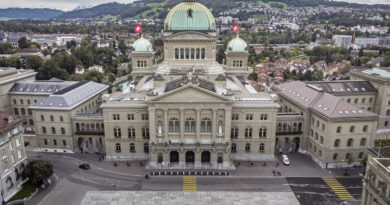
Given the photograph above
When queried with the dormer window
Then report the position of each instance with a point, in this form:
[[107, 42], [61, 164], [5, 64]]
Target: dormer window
[[189, 13]]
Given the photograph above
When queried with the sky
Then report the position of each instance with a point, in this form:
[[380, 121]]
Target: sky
[[67, 5]]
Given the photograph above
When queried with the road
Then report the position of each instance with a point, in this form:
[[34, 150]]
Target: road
[[73, 183]]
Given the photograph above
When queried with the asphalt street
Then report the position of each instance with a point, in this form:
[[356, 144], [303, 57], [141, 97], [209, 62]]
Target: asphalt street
[[73, 183]]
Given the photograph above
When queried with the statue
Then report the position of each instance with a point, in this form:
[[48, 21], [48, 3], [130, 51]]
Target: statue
[[159, 130], [220, 129]]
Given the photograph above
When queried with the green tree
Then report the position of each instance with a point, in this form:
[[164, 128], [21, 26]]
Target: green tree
[[6, 48], [33, 62], [122, 46], [13, 61], [24, 43], [37, 172]]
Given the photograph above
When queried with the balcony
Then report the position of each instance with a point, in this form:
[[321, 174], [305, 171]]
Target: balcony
[[291, 132], [89, 133]]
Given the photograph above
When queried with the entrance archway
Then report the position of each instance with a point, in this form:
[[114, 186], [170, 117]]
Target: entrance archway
[[296, 143], [160, 159], [80, 142], [190, 157], [220, 160], [205, 157], [174, 157]]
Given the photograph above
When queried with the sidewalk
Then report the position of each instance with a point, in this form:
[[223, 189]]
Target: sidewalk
[[42, 193]]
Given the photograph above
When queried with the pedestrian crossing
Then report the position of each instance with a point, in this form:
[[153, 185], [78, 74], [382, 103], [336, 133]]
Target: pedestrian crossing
[[189, 183], [338, 189]]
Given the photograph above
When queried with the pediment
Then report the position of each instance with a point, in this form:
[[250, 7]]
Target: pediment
[[190, 36], [190, 93]]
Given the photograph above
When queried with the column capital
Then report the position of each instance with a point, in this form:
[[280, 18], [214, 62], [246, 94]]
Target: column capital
[[198, 109], [165, 109]]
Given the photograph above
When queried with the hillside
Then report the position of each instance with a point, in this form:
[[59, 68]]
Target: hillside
[[23, 13]]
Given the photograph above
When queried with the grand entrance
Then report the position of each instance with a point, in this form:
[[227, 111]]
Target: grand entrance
[[296, 142], [174, 157], [190, 157], [205, 157]]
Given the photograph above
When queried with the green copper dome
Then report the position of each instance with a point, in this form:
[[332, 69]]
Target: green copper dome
[[237, 45], [142, 45], [189, 16]]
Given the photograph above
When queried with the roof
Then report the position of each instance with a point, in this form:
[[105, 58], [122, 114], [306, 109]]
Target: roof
[[321, 102], [343, 86], [8, 121], [190, 15], [71, 96], [142, 45], [377, 71], [237, 45], [39, 87]]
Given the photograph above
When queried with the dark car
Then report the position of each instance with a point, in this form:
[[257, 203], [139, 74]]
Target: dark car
[[84, 166]]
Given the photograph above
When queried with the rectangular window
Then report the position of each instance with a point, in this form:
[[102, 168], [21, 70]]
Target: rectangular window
[[249, 116], [130, 117], [235, 117], [263, 117], [145, 117], [115, 117]]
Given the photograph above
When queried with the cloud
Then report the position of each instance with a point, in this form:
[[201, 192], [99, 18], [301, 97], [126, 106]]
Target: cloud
[[65, 5]]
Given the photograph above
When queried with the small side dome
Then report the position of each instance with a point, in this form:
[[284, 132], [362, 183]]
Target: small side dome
[[237, 45], [142, 45]]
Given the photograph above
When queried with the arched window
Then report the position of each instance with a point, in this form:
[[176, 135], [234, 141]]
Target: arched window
[[21, 101], [386, 123], [363, 100], [15, 102], [28, 101], [321, 139], [187, 53], [64, 142], [248, 132], [192, 53], [131, 132], [337, 143], [176, 53], [234, 147], [174, 125], [323, 126], [62, 130], [31, 121], [197, 53], [363, 142], [22, 111], [350, 142], [29, 111], [205, 125], [360, 156], [42, 118], [352, 129], [53, 130], [190, 125], [118, 147], [117, 132], [44, 130], [261, 148], [16, 111], [365, 128], [132, 147], [203, 54], [45, 141], [335, 156], [146, 148], [93, 127], [338, 129], [349, 100], [182, 53], [145, 132], [348, 155], [234, 132], [61, 118], [263, 132], [51, 118], [247, 147]]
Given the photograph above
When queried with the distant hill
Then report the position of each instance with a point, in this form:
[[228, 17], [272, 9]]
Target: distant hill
[[24, 13]]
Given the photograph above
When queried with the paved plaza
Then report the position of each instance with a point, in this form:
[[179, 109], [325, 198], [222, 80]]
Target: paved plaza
[[187, 198]]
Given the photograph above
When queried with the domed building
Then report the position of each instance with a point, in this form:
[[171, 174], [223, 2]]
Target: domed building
[[190, 111]]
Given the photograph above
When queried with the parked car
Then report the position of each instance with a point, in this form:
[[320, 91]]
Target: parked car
[[285, 160], [84, 166]]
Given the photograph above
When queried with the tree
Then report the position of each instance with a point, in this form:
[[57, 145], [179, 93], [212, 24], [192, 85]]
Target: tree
[[37, 172], [122, 46], [221, 55], [71, 44], [350, 160], [13, 61], [24, 43], [33, 62], [6, 48], [252, 76]]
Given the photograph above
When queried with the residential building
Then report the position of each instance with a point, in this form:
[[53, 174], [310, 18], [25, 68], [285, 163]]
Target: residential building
[[13, 154], [344, 41]]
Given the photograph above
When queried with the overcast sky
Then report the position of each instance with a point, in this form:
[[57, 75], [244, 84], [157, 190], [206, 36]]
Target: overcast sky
[[67, 5]]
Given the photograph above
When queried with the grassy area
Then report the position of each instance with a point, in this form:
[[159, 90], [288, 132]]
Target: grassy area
[[106, 17], [316, 25], [152, 13], [27, 190], [285, 6]]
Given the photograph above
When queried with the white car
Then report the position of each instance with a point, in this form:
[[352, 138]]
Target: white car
[[285, 160]]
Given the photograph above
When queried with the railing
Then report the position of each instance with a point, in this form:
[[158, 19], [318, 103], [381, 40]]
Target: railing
[[89, 133], [289, 132]]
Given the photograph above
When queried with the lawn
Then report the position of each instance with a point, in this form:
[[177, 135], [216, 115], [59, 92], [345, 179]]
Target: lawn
[[152, 13], [299, 58], [285, 6], [27, 190]]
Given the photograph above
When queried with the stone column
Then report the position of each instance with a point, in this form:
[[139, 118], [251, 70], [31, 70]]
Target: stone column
[[198, 120], [152, 123], [214, 125], [182, 124], [165, 123], [228, 120]]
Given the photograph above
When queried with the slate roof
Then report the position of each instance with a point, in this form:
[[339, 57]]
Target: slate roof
[[320, 102], [344, 86], [39, 87], [71, 95]]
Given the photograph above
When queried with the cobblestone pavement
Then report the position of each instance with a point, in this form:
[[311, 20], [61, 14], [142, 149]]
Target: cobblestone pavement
[[188, 198]]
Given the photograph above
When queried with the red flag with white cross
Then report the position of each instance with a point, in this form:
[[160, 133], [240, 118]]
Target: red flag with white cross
[[138, 28], [235, 28]]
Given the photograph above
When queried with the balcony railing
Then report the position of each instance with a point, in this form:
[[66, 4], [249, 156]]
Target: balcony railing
[[89, 133], [289, 132]]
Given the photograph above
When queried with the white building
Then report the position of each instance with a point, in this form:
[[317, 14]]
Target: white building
[[342, 40]]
